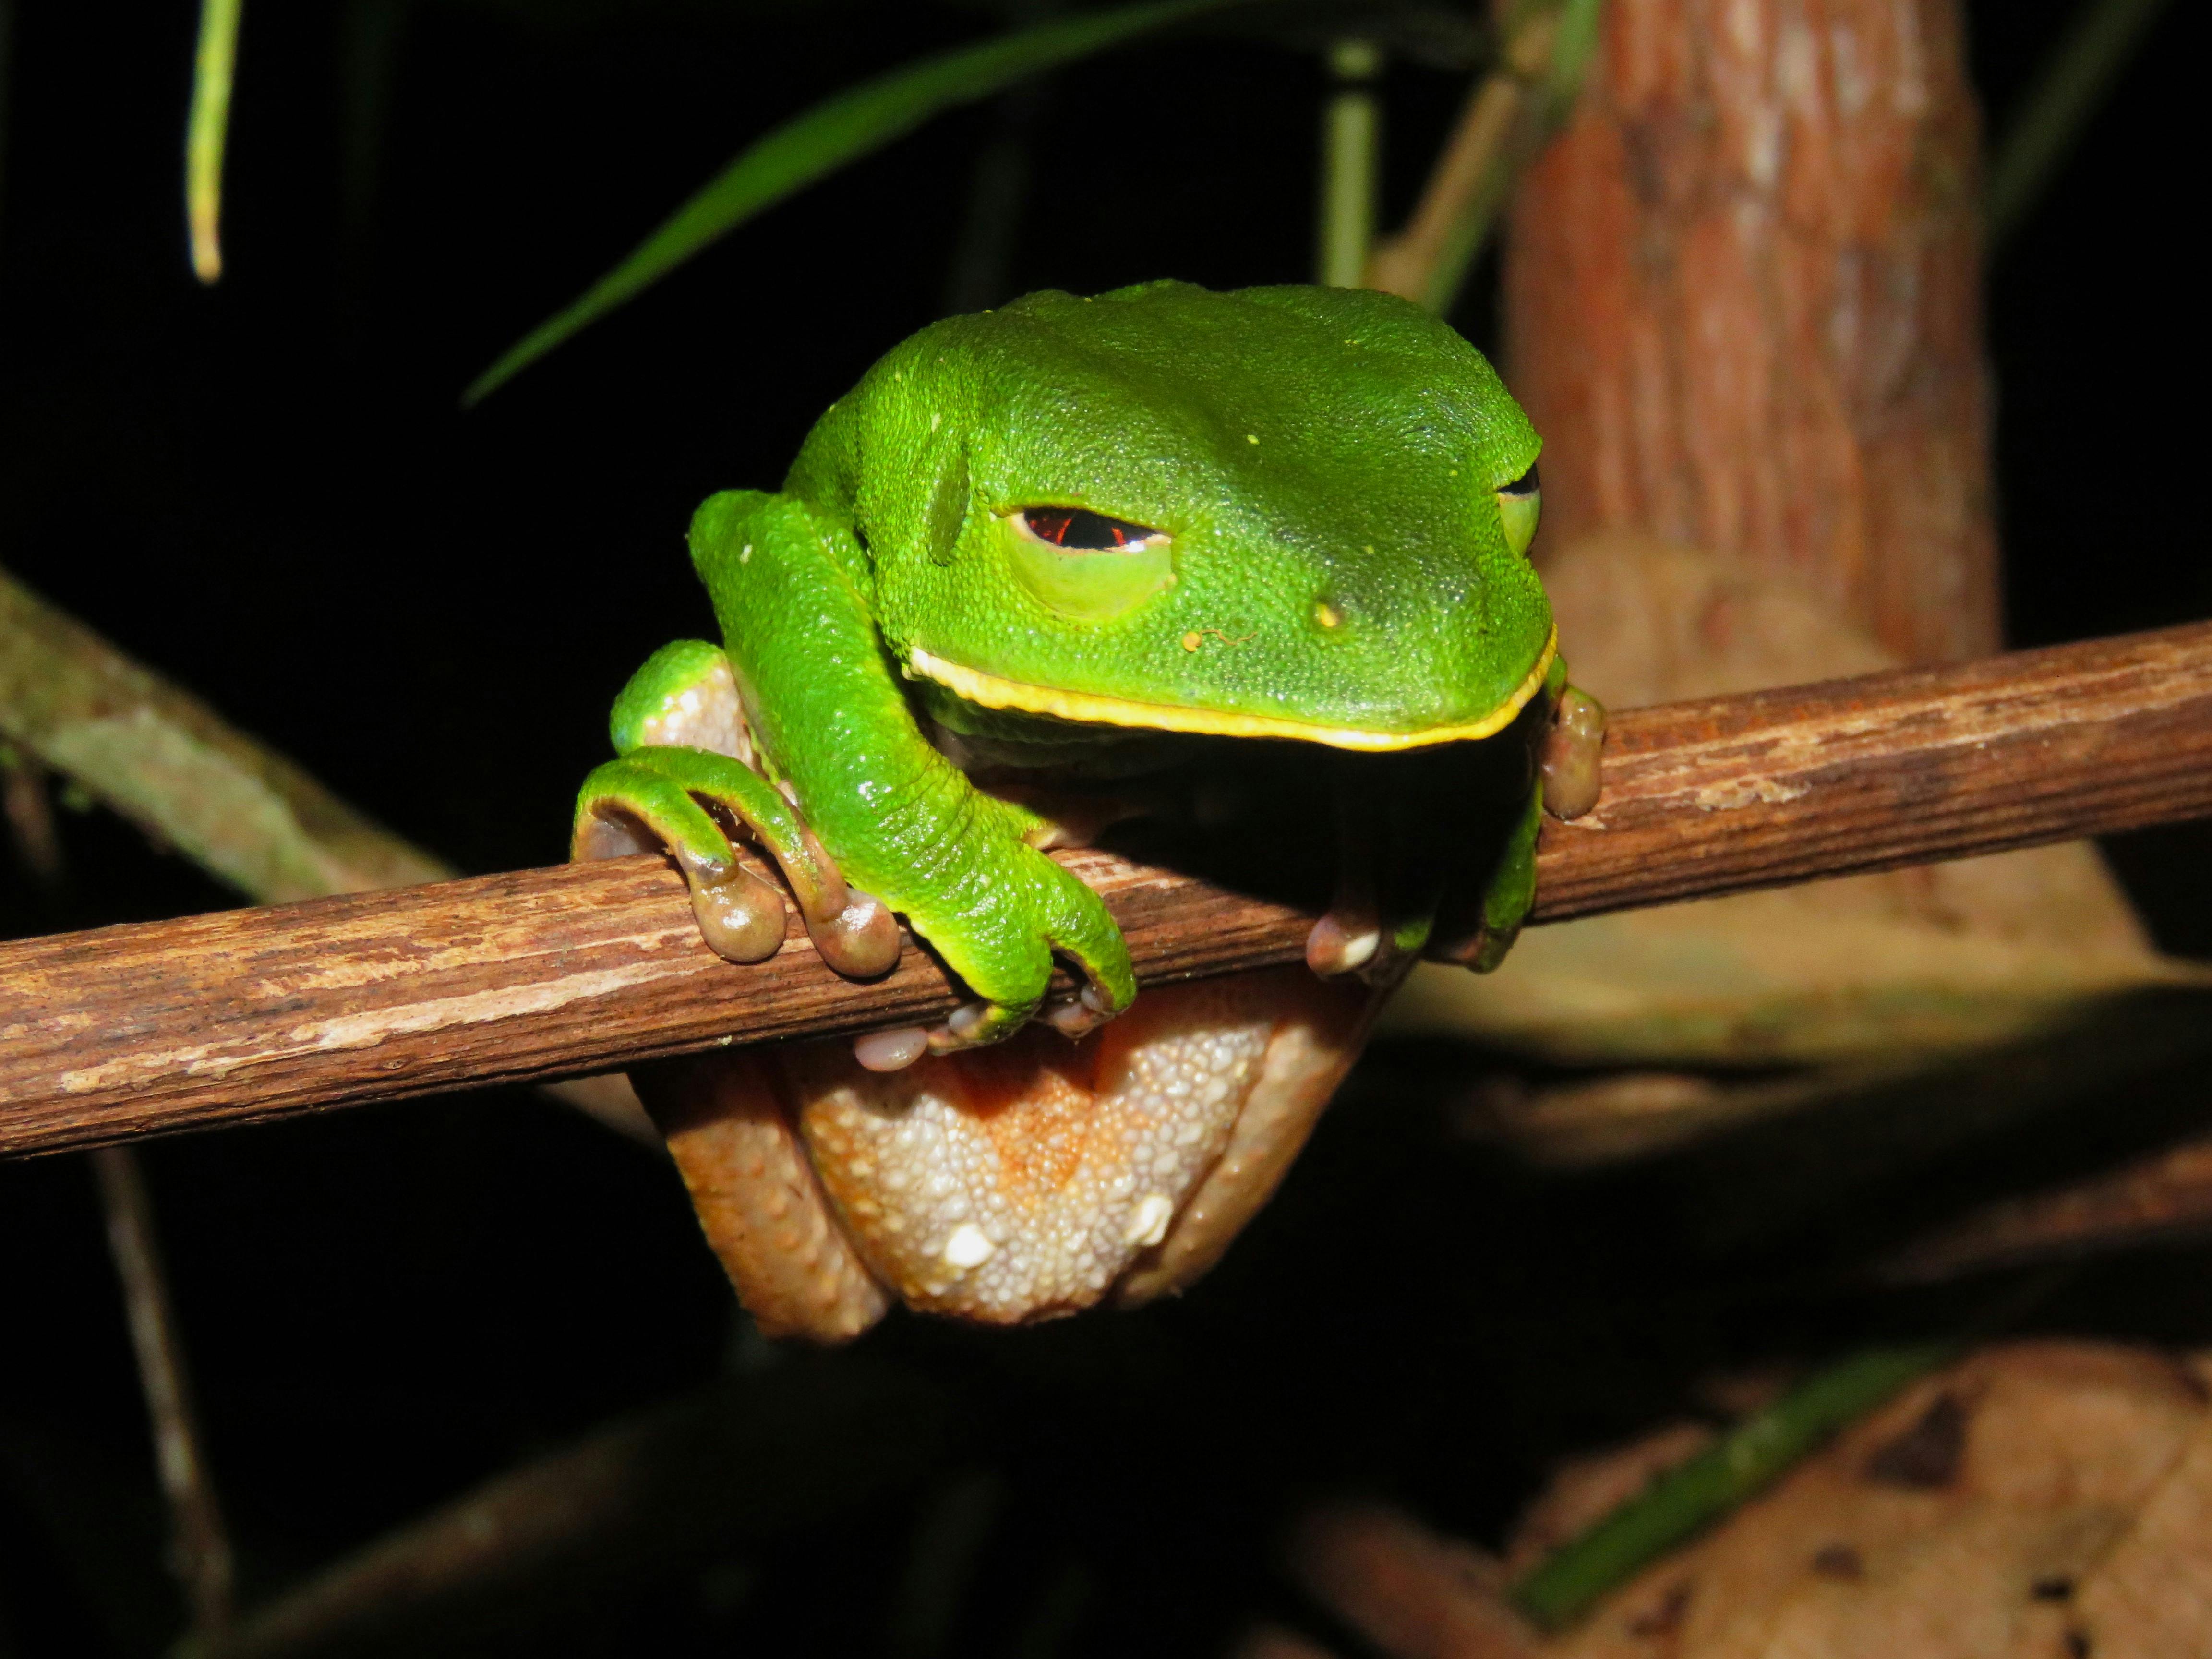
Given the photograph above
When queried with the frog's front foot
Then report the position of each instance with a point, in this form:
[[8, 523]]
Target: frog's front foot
[[999, 913], [1472, 926], [685, 785], [687, 802]]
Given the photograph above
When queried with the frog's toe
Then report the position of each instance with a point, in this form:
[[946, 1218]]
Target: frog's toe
[[861, 940], [627, 806], [890, 1051], [978, 1024], [1569, 755], [1344, 941], [740, 915], [1355, 939], [1077, 1017]]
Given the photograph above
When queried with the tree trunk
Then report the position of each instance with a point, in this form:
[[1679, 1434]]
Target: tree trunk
[[1743, 294]]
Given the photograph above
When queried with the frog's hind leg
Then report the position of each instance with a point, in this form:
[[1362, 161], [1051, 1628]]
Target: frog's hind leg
[[1320, 1030], [732, 1136]]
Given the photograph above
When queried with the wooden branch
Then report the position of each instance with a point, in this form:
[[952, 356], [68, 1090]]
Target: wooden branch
[[2163, 1198], [254, 1014], [170, 764]]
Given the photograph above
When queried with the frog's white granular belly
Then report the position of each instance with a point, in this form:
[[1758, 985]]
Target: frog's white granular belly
[[1023, 1180]]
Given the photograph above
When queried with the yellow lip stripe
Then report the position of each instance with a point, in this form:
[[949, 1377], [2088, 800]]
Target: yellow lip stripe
[[1087, 708]]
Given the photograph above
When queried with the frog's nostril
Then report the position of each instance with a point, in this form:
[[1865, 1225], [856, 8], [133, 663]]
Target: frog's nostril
[[1326, 614]]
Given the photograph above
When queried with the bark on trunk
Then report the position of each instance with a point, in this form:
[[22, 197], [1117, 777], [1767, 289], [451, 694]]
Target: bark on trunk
[[1744, 304]]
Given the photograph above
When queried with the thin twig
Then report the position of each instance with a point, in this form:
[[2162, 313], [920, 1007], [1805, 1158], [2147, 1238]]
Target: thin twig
[[639, 1500], [199, 1549], [998, 184], [1507, 117], [166, 761], [2165, 1197], [248, 1014], [29, 808]]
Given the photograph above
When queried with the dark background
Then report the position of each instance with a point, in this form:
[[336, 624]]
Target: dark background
[[267, 492]]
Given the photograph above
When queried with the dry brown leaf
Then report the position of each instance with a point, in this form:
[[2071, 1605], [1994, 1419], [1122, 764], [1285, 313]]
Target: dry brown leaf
[[2038, 1500]]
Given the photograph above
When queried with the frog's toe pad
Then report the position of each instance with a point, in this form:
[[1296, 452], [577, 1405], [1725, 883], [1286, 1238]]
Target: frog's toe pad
[[1343, 942], [740, 915], [1571, 754], [890, 1051], [862, 940]]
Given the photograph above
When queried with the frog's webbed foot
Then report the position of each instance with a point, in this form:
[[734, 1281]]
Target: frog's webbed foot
[[1038, 1178], [685, 785], [1005, 955]]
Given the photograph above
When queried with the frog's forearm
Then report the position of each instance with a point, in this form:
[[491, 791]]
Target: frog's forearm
[[820, 695]]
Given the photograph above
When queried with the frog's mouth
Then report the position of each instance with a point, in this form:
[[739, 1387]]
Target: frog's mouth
[[1090, 708]]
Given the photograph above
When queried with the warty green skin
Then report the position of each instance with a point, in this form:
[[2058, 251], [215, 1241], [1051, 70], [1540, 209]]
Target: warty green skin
[[1324, 464], [1302, 446]]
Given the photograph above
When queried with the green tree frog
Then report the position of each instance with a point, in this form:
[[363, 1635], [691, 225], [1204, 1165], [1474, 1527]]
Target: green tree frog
[[1037, 556]]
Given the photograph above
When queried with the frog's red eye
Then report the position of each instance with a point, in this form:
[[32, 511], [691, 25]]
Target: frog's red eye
[[1078, 530]]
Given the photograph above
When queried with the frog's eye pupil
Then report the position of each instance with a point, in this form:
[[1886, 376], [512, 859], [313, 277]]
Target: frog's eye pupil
[[1078, 530], [1526, 484]]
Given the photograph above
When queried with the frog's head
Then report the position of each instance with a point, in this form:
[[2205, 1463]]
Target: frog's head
[[1293, 512]]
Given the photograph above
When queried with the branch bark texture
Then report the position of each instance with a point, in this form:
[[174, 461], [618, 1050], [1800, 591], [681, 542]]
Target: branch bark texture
[[1743, 294], [254, 1014]]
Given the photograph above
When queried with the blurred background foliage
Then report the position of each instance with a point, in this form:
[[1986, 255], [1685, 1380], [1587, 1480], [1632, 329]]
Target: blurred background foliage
[[267, 489]]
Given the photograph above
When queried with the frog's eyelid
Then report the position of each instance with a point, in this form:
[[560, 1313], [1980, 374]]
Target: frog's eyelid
[[1079, 529], [1518, 503], [1526, 484]]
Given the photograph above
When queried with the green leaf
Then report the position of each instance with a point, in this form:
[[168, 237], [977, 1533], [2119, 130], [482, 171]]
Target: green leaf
[[205, 129], [826, 137]]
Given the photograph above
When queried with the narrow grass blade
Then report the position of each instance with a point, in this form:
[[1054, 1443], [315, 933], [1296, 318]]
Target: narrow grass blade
[[826, 137], [2068, 90], [205, 129], [1732, 1469]]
